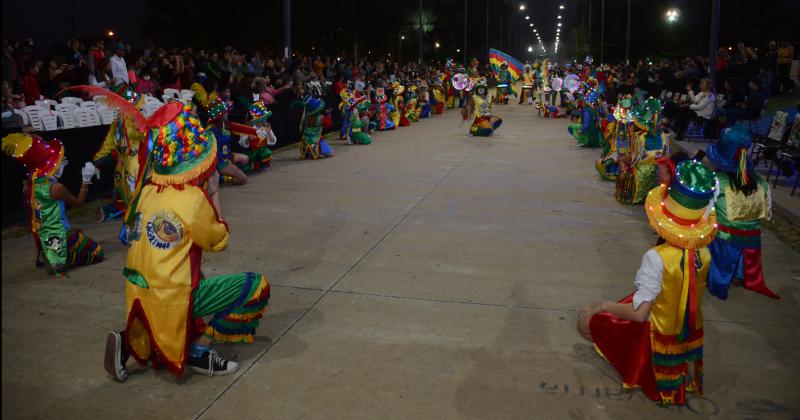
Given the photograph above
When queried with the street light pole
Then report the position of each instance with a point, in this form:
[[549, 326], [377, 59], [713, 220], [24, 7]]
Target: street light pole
[[628, 37], [487, 28], [287, 30], [419, 31], [602, 28], [589, 36], [465, 30], [714, 44]]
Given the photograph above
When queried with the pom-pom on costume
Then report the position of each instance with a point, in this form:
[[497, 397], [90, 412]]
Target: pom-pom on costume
[[312, 145], [640, 174], [618, 133], [382, 111], [743, 199], [173, 221], [657, 355], [61, 245], [257, 149], [484, 123]]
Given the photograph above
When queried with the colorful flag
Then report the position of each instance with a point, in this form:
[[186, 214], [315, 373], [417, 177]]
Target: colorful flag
[[497, 58]]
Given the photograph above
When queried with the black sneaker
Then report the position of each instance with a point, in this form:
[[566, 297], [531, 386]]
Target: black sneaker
[[116, 356], [211, 363]]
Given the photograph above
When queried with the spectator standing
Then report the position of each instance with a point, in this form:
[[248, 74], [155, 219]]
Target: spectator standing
[[30, 84], [119, 70], [785, 55]]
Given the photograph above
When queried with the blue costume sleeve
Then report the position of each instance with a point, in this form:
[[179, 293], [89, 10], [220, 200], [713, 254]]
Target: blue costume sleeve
[[585, 120]]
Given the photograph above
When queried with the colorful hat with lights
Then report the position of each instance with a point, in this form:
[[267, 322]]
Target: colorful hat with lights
[[216, 110], [397, 88], [730, 154], [182, 150], [39, 157], [647, 115], [258, 113], [679, 213], [313, 105]]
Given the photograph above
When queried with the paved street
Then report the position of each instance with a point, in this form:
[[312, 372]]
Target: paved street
[[428, 275]]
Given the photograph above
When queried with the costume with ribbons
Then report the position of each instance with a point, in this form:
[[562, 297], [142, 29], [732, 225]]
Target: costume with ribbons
[[484, 123], [257, 149], [664, 354], [618, 133], [639, 174], [312, 145], [736, 250]]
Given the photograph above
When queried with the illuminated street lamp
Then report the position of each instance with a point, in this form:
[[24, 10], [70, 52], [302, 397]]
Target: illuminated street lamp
[[521, 7], [561, 7], [559, 24], [527, 18], [559, 16], [531, 25], [437, 45], [672, 15], [530, 49], [110, 33]]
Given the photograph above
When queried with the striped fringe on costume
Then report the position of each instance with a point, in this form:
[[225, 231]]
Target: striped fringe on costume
[[671, 358], [239, 324], [81, 250]]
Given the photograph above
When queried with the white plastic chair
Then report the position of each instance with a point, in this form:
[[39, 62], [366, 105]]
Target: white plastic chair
[[46, 103], [107, 114], [49, 122], [151, 107], [172, 93], [34, 116], [67, 118], [89, 105], [66, 108], [86, 117], [71, 100], [25, 119]]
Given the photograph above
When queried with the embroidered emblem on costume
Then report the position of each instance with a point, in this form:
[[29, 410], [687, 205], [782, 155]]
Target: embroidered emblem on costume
[[164, 230], [53, 243]]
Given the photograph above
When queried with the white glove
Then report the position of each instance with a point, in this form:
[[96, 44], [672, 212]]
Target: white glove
[[261, 133], [88, 172], [244, 141], [271, 138]]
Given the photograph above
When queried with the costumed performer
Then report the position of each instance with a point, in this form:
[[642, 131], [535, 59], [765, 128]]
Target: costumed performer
[[424, 105], [654, 337], [399, 113], [358, 124], [528, 83], [46, 200], [166, 296], [743, 200], [223, 130], [411, 111], [639, 171], [587, 131], [259, 156], [618, 133], [312, 145], [505, 85], [383, 111], [484, 123]]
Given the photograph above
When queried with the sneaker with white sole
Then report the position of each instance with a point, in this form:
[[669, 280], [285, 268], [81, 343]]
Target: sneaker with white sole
[[211, 363], [116, 356]]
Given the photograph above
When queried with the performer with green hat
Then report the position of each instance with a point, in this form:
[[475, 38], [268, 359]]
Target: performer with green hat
[[654, 337], [639, 174], [257, 149]]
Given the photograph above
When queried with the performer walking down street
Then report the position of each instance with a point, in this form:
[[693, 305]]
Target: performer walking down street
[[654, 337], [167, 297]]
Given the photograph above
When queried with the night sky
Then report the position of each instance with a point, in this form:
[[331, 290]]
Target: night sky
[[375, 25]]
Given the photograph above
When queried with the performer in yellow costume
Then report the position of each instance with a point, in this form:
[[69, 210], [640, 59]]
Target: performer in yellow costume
[[122, 143], [528, 78], [654, 337], [172, 221], [484, 123]]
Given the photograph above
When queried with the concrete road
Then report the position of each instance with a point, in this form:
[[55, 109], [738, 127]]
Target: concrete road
[[428, 275]]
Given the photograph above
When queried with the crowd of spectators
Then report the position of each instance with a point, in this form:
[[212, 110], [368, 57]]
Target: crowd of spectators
[[745, 76]]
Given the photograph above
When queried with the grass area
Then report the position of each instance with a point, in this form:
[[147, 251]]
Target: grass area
[[782, 102]]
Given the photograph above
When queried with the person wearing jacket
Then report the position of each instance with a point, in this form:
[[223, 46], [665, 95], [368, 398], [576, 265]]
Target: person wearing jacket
[[700, 106]]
